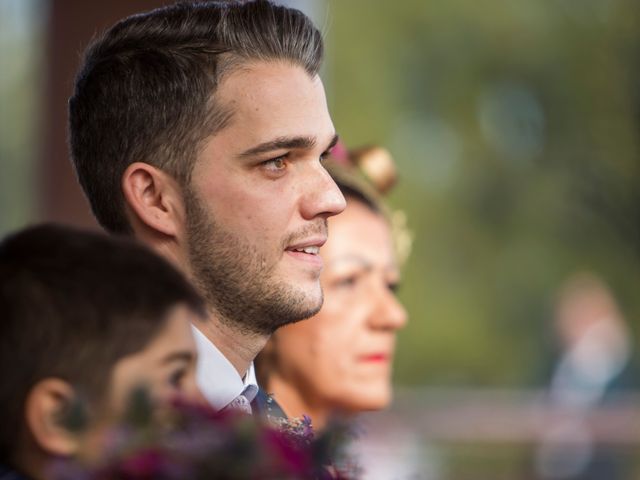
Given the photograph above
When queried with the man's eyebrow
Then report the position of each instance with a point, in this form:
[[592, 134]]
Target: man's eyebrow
[[283, 143], [279, 144], [184, 355]]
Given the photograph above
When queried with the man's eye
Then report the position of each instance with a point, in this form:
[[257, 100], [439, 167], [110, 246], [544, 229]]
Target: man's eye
[[276, 164], [324, 156]]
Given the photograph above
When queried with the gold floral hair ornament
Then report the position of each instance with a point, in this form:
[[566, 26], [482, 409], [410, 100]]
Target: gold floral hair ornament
[[376, 163], [402, 236], [371, 172]]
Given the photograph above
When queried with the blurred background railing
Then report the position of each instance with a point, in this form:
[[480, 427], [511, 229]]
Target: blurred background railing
[[474, 433], [467, 415]]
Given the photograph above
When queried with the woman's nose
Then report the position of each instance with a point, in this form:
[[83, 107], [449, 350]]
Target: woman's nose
[[389, 313]]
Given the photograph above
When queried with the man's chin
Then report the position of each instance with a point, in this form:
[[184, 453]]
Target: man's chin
[[308, 305], [312, 310], [315, 301]]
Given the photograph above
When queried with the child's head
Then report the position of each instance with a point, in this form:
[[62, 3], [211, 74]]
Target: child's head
[[85, 317]]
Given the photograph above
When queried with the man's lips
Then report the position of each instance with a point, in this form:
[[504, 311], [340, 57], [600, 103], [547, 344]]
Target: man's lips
[[310, 243], [307, 250]]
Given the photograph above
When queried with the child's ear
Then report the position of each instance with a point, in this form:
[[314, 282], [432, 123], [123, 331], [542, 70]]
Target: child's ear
[[46, 404]]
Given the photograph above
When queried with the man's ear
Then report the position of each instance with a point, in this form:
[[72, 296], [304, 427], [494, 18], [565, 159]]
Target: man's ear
[[154, 197], [46, 404]]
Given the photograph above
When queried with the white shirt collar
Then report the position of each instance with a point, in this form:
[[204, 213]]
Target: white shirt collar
[[217, 378]]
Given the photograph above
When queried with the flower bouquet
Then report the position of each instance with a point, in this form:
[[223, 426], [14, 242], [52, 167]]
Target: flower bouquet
[[188, 441]]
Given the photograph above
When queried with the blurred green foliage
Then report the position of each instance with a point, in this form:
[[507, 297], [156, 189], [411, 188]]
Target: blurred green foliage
[[515, 128], [21, 40]]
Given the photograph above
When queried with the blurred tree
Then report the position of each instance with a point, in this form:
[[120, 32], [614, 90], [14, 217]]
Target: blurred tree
[[21, 32], [515, 127]]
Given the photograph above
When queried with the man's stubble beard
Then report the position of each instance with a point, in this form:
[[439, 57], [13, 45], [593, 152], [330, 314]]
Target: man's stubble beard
[[236, 280]]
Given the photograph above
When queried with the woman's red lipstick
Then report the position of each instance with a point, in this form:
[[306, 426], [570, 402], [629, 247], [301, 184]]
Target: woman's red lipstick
[[375, 357]]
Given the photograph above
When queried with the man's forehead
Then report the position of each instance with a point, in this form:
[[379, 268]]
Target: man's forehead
[[269, 87], [267, 100]]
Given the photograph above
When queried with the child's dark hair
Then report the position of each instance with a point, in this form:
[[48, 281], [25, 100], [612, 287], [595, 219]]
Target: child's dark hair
[[72, 303]]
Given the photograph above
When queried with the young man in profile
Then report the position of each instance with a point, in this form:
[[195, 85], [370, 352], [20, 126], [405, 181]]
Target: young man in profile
[[201, 129], [82, 323]]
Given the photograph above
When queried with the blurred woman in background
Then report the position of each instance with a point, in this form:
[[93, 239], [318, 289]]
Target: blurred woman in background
[[339, 362]]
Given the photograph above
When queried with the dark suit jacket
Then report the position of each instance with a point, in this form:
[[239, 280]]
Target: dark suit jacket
[[265, 406], [7, 473]]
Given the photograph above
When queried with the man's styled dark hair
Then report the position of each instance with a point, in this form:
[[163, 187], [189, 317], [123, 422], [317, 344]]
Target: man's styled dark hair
[[146, 90], [72, 304]]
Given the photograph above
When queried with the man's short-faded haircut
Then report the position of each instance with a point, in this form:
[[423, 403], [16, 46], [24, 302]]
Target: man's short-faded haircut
[[146, 89]]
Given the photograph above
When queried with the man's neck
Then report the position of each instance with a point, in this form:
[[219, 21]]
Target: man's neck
[[240, 348]]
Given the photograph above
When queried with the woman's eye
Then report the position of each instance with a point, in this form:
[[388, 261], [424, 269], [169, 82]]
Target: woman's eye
[[393, 286], [347, 282]]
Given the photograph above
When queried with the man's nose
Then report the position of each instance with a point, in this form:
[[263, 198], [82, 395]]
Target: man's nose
[[321, 195]]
